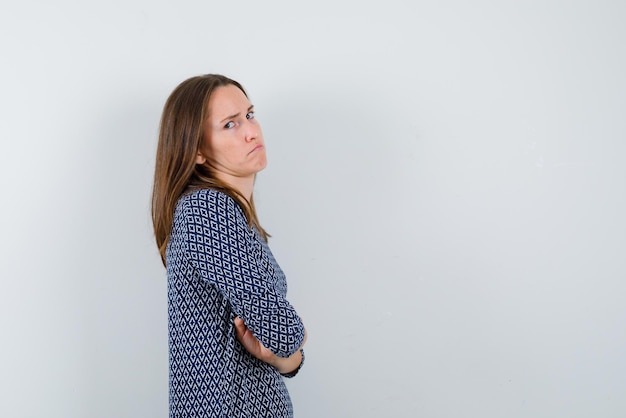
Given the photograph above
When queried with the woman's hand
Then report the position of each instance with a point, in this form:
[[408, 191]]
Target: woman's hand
[[258, 350]]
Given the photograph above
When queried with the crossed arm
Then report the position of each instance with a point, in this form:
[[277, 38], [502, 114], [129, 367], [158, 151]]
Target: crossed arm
[[226, 253]]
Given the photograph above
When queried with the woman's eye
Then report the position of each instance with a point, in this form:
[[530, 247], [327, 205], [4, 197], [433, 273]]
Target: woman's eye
[[250, 115], [229, 125]]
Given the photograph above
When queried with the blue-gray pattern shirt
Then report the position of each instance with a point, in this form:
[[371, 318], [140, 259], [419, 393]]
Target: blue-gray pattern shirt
[[219, 268]]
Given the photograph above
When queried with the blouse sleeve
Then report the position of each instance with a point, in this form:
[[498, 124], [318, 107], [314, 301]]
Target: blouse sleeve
[[223, 249]]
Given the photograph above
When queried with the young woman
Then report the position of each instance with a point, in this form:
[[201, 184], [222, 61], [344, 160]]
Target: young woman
[[233, 335]]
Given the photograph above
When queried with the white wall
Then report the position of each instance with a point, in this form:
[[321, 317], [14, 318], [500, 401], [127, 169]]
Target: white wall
[[446, 192]]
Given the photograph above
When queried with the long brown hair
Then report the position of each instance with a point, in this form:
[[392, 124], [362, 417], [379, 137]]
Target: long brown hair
[[180, 136]]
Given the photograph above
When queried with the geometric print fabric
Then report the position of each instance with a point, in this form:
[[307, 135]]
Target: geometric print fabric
[[219, 268]]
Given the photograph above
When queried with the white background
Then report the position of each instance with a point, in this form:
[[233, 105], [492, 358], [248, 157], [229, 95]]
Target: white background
[[445, 190]]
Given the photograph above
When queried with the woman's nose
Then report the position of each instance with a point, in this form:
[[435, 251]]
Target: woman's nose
[[252, 131]]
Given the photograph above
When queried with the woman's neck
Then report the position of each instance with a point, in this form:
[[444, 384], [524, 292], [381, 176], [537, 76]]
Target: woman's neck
[[244, 185]]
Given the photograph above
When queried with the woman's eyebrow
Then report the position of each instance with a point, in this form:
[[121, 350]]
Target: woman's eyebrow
[[236, 114]]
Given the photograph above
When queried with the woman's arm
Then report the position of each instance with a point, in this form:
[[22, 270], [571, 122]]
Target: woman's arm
[[222, 249], [284, 365]]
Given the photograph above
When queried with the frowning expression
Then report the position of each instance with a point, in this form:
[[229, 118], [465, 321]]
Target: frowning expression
[[233, 142]]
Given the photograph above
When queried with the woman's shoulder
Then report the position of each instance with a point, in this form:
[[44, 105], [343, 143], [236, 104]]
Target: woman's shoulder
[[205, 194], [210, 199]]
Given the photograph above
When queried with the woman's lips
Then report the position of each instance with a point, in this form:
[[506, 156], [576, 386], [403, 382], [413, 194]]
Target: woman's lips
[[258, 147]]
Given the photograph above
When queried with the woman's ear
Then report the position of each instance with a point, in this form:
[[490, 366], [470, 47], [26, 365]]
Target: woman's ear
[[200, 159]]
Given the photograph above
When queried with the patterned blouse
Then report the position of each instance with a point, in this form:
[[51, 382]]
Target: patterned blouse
[[219, 268]]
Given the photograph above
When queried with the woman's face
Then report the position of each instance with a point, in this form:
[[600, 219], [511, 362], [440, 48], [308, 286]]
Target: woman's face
[[233, 142]]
